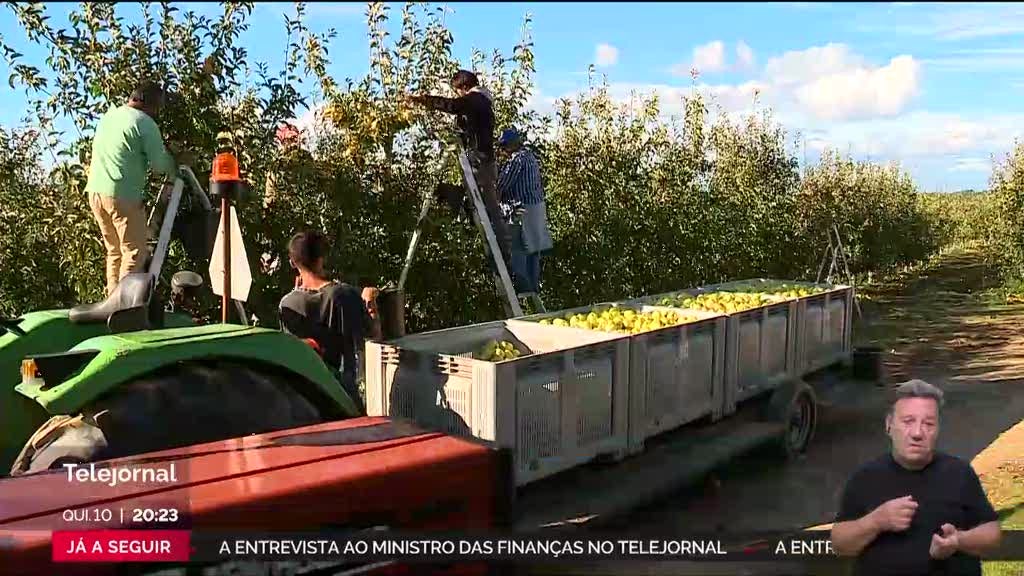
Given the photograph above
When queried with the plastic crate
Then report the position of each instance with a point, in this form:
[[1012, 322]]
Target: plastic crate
[[825, 328], [824, 323], [559, 407], [676, 373], [761, 346]]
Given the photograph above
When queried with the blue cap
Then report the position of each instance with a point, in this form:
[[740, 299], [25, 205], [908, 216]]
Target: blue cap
[[508, 136]]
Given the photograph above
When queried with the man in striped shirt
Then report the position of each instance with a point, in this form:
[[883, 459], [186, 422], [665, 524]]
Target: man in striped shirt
[[521, 190]]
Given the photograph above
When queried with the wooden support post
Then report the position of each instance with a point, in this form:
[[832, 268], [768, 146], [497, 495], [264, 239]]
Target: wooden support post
[[225, 207]]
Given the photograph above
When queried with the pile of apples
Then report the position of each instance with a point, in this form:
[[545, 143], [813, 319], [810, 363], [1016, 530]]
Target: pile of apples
[[783, 289], [721, 302], [494, 351], [621, 320], [740, 298]]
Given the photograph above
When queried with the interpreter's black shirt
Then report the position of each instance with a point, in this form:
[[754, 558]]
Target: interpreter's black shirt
[[335, 316], [946, 491]]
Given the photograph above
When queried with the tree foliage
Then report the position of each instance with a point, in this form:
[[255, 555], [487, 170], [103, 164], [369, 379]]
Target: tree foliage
[[1007, 184], [639, 202]]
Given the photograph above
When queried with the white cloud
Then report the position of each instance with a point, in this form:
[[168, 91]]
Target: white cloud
[[951, 21], [832, 82], [309, 125], [839, 99], [966, 61], [744, 55], [307, 121], [863, 92], [823, 83], [732, 98], [950, 134], [539, 102], [925, 135], [709, 57], [800, 66], [941, 151], [606, 55]]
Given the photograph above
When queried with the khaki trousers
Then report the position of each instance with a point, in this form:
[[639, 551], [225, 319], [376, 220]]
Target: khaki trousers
[[123, 227]]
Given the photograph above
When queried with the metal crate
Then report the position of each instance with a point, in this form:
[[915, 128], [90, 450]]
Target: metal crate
[[561, 406], [761, 346], [676, 373], [824, 323]]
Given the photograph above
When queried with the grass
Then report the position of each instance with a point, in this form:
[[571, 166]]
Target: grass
[[1011, 511]]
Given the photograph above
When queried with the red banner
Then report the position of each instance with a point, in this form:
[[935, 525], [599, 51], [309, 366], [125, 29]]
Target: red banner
[[121, 546]]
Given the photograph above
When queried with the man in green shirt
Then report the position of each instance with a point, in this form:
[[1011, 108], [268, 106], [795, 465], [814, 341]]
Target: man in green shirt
[[126, 145]]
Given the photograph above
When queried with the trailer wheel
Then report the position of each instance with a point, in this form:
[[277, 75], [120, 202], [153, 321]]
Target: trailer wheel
[[795, 405]]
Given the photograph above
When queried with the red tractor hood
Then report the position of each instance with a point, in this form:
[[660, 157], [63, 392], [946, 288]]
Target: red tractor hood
[[349, 474]]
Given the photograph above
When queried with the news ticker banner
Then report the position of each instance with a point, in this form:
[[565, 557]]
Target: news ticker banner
[[201, 546]]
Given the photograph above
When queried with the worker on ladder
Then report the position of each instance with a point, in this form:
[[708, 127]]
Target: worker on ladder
[[127, 144], [521, 190], [475, 110]]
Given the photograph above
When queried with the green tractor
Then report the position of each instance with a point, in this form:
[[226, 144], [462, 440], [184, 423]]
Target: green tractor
[[124, 376]]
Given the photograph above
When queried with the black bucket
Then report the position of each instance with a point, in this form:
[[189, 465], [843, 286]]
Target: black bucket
[[391, 307], [867, 363]]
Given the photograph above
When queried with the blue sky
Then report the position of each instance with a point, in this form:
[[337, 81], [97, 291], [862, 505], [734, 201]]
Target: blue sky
[[935, 86]]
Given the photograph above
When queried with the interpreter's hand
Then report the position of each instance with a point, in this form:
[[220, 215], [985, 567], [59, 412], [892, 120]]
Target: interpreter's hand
[[896, 514], [945, 545]]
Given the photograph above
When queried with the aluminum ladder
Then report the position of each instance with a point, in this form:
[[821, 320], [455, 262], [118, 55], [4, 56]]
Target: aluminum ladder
[[502, 280]]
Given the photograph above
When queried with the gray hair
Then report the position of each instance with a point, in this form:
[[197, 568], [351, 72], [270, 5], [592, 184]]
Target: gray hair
[[917, 389]]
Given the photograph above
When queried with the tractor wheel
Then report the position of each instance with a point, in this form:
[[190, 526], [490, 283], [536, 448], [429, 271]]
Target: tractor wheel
[[189, 403]]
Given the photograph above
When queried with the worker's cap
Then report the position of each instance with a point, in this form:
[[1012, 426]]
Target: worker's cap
[[509, 136]]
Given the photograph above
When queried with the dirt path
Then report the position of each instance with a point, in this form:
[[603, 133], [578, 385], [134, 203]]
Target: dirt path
[[938, 326]]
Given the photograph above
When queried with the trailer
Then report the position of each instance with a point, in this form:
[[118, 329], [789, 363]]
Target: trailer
[[575, 395]]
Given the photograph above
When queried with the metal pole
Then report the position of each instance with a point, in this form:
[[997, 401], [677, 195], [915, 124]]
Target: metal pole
[[225, 216], [166, 227]]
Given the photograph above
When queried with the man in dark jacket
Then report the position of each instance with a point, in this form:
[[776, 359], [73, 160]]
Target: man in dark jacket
[[474, 107]]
